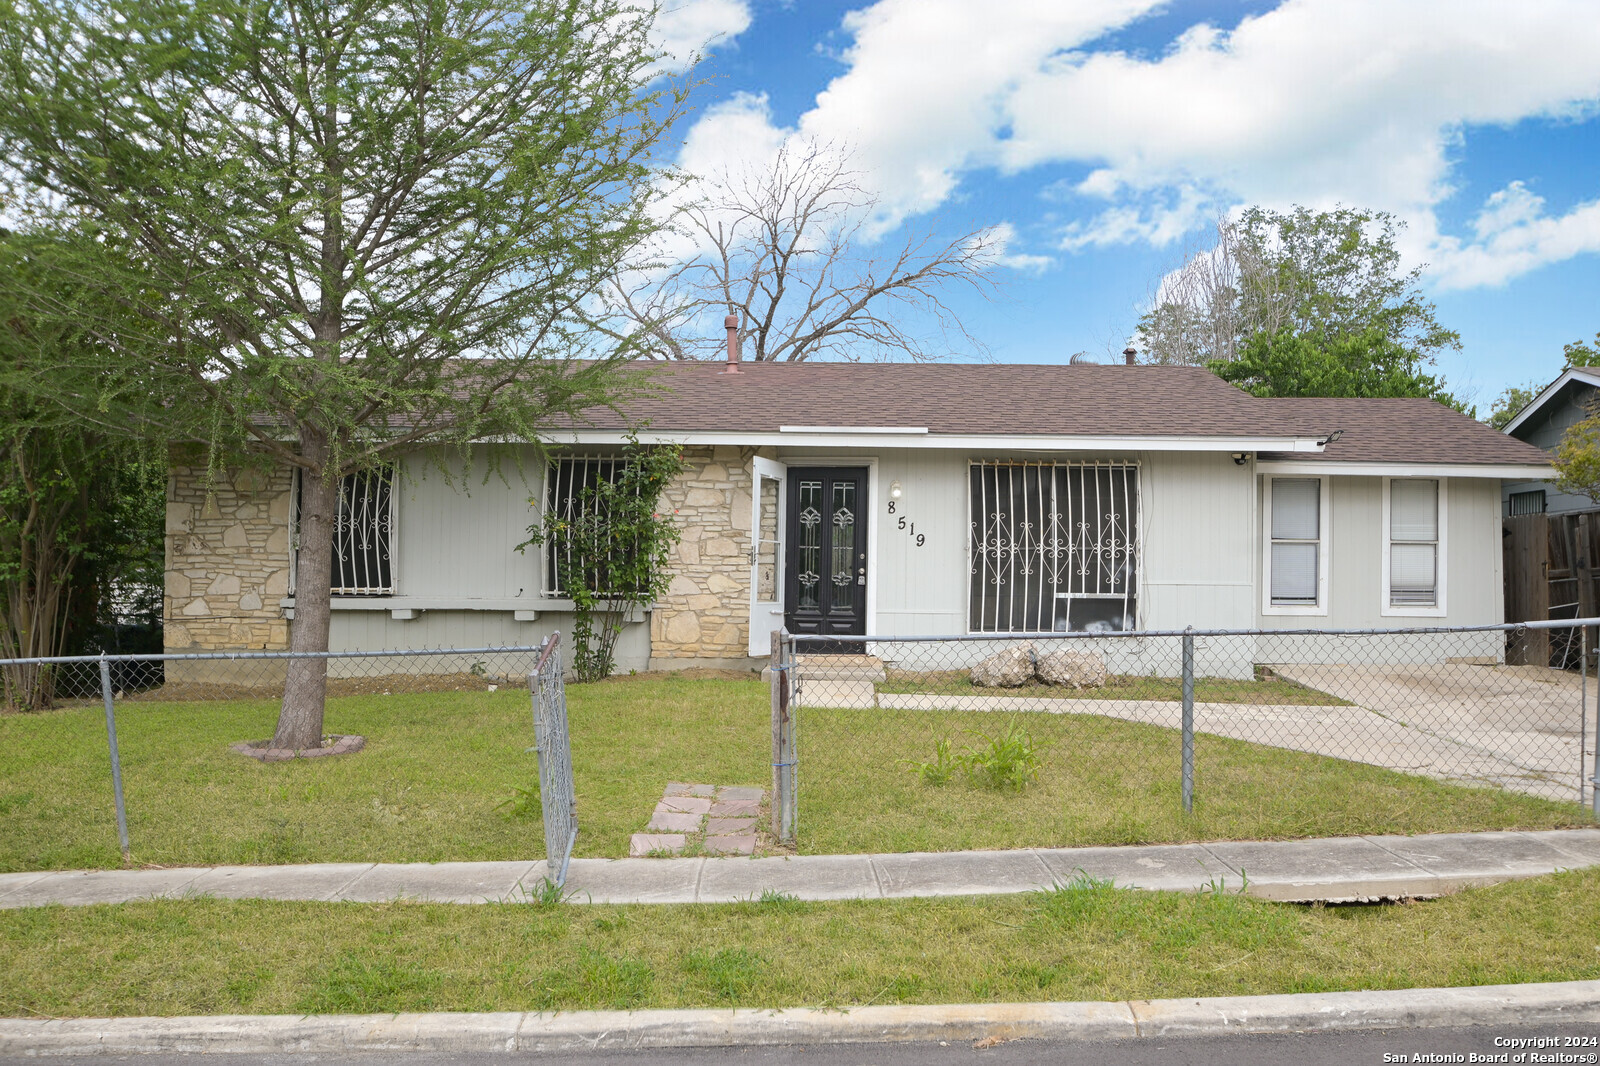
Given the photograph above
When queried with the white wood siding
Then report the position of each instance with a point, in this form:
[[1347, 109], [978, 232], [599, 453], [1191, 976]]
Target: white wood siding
[[1197, 512], [1200, 566], [922, 590], [457, 535], [372, 630], [1472, 563]]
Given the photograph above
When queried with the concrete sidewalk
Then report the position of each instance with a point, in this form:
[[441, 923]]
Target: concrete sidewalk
[[1343, 869]]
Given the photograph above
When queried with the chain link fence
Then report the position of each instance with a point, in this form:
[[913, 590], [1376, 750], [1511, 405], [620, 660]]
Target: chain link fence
[[185, 724], [1160, 717], [557, 794]]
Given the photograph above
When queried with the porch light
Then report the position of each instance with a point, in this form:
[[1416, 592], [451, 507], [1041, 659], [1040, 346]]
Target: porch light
[[895, 490]]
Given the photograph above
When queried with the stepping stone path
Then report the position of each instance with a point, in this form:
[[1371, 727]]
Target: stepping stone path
[[722, 819]]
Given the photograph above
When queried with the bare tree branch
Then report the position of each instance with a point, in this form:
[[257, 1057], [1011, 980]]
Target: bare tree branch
[[785, 249]]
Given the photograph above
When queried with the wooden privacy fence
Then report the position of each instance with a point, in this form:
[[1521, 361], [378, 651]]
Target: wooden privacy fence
[[1551, 566]]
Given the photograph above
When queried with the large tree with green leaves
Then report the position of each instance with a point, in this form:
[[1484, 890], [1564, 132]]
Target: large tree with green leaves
[[1352, 364], [331, 232], [81, 511], [1514, 398], [1321, 276]]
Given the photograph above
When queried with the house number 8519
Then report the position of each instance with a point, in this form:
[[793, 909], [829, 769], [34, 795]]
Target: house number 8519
[[910, 528]]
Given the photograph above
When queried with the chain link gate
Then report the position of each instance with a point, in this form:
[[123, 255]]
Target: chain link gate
[[556, 793]]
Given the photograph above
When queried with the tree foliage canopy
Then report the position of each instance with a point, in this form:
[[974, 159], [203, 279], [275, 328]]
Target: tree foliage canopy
[[81, 513], [313, 211], [328, 232], [1360, 364], [1317, 275], [1510, 401]]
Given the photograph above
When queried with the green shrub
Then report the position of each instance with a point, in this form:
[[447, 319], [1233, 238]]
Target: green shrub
[[1006, 761]]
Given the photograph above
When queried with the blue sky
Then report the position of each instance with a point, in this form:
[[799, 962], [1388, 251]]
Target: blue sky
[[1108, 135]]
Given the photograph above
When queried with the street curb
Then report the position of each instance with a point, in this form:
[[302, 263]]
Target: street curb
[[1532, 1004]]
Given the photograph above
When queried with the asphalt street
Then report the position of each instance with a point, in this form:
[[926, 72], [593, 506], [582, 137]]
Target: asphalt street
[[1577, 1043]]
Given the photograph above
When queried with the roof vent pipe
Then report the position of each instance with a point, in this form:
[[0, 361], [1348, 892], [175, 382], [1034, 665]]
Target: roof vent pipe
[[1129, 352], [732, 323]]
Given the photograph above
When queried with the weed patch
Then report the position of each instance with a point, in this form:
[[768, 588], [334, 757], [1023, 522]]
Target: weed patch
[[362, 983]]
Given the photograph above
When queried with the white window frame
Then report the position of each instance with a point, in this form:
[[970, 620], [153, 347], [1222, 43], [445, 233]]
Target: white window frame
[[1324, 548], [1412, 610]]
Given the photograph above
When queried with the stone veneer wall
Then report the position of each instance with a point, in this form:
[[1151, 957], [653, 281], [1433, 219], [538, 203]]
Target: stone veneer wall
[[227, 560], [706, 611]]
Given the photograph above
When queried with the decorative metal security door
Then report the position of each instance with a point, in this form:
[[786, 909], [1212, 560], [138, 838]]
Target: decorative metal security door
[[825, 581]]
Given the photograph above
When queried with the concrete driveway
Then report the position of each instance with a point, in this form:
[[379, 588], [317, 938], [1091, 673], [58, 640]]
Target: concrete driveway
[[1515, 727]]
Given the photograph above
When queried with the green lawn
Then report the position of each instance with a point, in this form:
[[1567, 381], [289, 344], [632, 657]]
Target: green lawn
[[437, 765], [1083, 942], [1265, 689]]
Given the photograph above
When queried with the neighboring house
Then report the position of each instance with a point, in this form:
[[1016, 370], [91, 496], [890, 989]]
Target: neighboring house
[[1552, 537], [1560, 405], [896, 499]]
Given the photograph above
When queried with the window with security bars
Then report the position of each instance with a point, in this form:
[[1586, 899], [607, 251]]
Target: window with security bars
[[564, 498], [363, 535], [1414, 542], [1522, 503], [1054, 547]]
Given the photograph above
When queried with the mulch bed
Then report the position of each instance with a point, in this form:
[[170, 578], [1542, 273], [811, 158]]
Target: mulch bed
[[334, 744]]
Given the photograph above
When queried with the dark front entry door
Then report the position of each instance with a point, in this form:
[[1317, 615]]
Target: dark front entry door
[[825, 589]]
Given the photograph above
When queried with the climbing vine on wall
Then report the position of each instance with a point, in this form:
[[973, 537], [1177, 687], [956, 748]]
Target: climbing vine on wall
[[611, 551]]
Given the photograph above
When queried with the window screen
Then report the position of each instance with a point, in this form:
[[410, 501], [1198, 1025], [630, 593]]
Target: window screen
[[1296, 540], [1054, 547], [1414, 542]]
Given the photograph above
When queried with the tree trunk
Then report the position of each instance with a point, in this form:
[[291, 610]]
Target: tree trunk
[[306, 686]]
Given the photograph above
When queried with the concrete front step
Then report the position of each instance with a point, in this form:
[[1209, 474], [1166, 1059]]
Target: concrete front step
[[867, 669]]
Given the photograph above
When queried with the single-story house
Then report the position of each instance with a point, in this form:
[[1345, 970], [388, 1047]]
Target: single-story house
[[1560, 405], [904, 499]]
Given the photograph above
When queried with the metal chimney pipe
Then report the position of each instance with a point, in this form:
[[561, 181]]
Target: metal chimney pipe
[[732, 324]]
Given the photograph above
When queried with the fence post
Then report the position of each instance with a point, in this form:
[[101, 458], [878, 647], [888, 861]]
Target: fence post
[[1188, 720], [783, 775], [1583, 674], [116, 759]]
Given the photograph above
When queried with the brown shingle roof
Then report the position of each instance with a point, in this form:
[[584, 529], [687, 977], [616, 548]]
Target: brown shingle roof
[[1053, 400], [1400, 430], [950, 398]]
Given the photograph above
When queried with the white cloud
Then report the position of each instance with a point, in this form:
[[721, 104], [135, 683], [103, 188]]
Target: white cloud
[[1513, 235], [736, 132], [1157, 220], [1317, 102], [1000, 238], [690, 27], [926, 88]]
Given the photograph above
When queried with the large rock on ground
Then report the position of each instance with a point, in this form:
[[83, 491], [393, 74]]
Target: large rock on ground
[[1005, 669], [1079, 669]]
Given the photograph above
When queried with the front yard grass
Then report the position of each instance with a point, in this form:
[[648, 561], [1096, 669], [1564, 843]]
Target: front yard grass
[[437, 765], [1266, 689], [1081, 942]]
